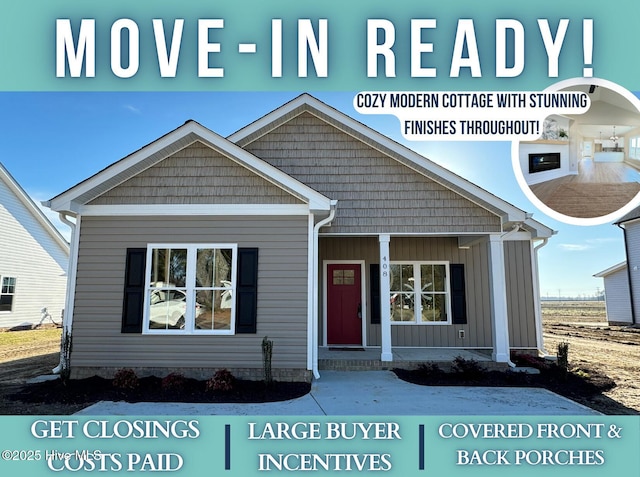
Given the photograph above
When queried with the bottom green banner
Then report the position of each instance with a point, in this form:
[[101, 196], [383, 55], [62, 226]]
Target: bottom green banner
[[245, 445]]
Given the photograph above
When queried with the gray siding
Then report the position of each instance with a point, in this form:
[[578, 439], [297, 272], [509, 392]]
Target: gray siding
[[520, 299], [375, 193], [196, 174], [618, 299], [282, 293], [478, 330]]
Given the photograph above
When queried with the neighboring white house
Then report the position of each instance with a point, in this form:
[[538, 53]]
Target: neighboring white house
[[618, 298], [33, 259], [622, 281]]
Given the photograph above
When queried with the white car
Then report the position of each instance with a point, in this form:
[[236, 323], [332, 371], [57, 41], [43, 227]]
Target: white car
[[168, 307]]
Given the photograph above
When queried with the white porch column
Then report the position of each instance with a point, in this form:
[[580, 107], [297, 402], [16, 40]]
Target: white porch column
[[498, 291], [385, 293]]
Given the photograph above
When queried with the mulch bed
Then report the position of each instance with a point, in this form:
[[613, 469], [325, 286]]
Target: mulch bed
[[73, 395], [580, 383]]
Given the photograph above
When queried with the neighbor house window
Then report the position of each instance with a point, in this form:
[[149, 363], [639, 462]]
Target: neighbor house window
[[190, 289], [7, 292], [420, 293]]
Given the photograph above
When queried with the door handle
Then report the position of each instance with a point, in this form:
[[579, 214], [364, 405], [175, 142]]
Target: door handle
[[360, 310]]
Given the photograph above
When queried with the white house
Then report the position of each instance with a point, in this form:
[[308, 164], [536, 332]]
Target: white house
[[618, 298], [622, 281], [33, 259]]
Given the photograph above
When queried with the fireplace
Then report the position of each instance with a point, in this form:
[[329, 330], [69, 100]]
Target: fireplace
[[546, 161]]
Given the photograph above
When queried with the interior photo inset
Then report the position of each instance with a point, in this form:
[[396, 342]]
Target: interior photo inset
[[586, 165]]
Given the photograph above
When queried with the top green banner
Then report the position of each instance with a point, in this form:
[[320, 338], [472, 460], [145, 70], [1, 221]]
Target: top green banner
[[162, 45]]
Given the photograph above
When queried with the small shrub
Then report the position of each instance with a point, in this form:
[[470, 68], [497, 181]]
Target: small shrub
[[430, 370], [563, 356], [468, 368], [223, 380], [173, 382], [582, 374], [125, 379], [267, 352], [531, 361]]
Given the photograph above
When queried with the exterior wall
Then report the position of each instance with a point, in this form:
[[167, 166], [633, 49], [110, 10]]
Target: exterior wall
[[477, 331], [196, 174], [375, 193], [520, 299], [282, 295], [34, 258], [632, 237], [618, 299]]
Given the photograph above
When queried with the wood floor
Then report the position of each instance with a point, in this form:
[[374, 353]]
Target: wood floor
[[599, 188]]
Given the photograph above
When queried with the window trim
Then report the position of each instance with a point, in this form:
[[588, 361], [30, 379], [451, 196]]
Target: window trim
[[13, 294], [190, 287], [418, 309]]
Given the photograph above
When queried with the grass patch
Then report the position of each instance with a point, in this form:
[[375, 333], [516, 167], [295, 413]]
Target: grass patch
[[29, 337]]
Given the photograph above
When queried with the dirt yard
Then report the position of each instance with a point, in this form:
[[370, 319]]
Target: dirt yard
[[612, 350]]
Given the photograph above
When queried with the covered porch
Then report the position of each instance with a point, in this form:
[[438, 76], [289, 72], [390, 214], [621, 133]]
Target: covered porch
[[365, 359], [483, 312]]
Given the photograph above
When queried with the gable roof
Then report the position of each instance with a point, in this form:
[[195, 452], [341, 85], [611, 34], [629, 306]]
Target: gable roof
[[610, 270], [72, 200], [307, 103], [33, 209], [633, 215]]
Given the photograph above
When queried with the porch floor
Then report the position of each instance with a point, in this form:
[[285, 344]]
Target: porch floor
[[365, 359]]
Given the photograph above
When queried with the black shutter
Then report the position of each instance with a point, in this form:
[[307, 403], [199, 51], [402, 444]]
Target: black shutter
[[247, 290], [458, 301], [374, 280], [134, 290]]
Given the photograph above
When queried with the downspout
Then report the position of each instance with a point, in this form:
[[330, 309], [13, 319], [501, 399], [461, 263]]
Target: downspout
[[538, 308], [626, 251], [503, 237], [316, 231], [67, 318]]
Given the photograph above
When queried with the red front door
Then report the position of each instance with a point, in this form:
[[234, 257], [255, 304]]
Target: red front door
[[344, 323]]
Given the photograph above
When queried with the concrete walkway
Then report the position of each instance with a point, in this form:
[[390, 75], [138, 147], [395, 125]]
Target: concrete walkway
[[372, 393]]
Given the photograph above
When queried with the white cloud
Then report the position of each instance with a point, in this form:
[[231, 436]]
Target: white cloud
[[574, 247], [133, 109]]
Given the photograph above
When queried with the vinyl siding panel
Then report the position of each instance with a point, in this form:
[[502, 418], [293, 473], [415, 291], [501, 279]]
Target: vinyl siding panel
[[520, 299], [282, 293], [478, 330], [196, 174], [375, 192], [618, 299], [478, 327], [632, 237], [34, 258]]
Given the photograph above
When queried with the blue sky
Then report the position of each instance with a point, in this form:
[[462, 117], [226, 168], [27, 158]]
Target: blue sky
[[51, 141]]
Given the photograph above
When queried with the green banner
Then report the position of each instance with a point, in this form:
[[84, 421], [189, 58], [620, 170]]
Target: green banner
[[70, 45], [245, 446]]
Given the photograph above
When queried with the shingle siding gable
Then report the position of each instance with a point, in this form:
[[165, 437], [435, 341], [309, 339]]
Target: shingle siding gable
[[375, 192], [196, 175]]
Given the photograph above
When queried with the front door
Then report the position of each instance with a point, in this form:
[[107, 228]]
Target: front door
[[344, 307]]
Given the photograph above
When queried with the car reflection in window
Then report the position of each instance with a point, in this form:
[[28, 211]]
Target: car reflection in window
[[167, 309]]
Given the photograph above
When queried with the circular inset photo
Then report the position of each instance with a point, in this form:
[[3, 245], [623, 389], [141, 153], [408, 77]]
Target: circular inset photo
[[585, 168]]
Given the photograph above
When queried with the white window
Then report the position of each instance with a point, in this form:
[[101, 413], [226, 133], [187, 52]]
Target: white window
[[420, 293], [634, 147], [7, 292], [190, 289]]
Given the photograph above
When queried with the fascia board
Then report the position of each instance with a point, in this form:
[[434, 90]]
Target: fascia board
[[65, 201]]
